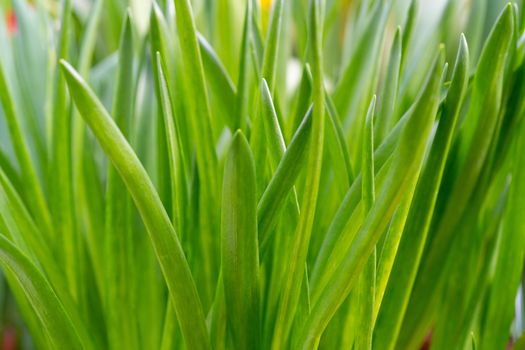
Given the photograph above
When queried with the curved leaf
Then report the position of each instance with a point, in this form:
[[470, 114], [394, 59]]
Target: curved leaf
[[295, 271], [283, 180], [477, 132], [417, 225], [53, 318], [400, 180], [162, 234]]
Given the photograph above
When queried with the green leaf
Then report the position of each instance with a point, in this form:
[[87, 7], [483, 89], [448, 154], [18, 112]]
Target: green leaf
[[243, 82], [274, 136], [53, 318], [413, 239], [61, 169], [355, 87], [270, 58], [302, 100], [25, 234], [367, 158], [240, 256], [175, 157], [400, 180], [221, 85], [198, 103], [160, 43], [162, 234], [203, 137], [38, 334], [90, 38], [118, 234], [276, 148], [387, 104], [295, 271], [89, 200], [509, 261], [367, 280], [477, 132], [340, 138], [282, 182], [408, 31], [344, 224], [268, 72], [32, 185]]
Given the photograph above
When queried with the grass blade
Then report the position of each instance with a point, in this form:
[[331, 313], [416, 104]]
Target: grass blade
[[89, 199], [401, 178], [203, 135], [162, 234], [282, 182], [292, 287], [477, 132], [118, 237], [340, 138], [221, 85], [358, 78], [348, 216], [413, 238], [25, 234], [38, 206], [243, 82], [268, 72], [509, 263], [274, 135], [270, 57], [240, 256], [62, 201], [385, 114], [366, 285], [53, 318], [198, 104]]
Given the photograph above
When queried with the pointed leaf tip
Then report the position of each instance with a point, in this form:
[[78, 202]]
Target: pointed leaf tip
[[238, 135]]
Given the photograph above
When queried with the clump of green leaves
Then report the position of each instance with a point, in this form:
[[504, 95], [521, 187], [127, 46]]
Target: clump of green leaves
[[170, 183]]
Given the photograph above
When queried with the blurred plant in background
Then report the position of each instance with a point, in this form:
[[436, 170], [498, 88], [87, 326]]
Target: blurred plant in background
[[243, 174]]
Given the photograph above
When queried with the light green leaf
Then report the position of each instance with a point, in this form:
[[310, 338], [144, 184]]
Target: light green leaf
[[162, 234], [344, 224], [282, 182], [221, 85], [25, 234], [118, 237], [400, 180], [295, 270], [61, 169], [240, 255], [243, 82], [270, 58], [477, 132], [366, 286], [509, 262], [387, 103], [198, 104], [53, 318], [357, 82], [32, 185], [340, 138], [413, 239]]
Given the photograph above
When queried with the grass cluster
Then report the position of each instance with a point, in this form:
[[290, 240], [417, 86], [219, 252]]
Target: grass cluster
[[168, 182]]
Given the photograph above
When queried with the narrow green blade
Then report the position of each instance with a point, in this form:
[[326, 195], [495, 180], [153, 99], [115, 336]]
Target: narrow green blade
[[53, 318], [162, 234], [240, 255]]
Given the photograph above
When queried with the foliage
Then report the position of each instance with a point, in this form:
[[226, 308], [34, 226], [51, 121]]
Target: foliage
[[261, 174]]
